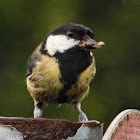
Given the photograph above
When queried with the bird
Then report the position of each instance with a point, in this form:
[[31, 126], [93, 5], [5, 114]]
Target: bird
[[60, 69]]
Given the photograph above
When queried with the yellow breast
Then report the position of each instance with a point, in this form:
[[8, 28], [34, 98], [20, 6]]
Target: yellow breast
[[81, 88], [44, 82]]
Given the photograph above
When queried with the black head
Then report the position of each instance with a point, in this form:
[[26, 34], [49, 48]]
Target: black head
[[72, 30], [68, 36]]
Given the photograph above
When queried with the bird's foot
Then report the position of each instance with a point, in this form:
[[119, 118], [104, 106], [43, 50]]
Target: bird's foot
[[83, 117], [37, 112]]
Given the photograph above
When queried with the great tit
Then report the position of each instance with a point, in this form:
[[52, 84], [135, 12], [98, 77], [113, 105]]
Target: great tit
[[61, 68]]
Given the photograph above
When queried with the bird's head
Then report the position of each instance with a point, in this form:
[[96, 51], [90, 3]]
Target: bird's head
[[68, 36]]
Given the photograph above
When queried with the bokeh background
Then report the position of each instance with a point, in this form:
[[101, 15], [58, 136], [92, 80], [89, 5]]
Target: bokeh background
[[116, 87]]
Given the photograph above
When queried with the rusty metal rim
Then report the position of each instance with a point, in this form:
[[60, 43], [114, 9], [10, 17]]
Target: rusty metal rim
[[113, 126]]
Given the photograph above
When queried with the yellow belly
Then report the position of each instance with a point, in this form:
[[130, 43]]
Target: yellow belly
[[44, 82], [80, 90]]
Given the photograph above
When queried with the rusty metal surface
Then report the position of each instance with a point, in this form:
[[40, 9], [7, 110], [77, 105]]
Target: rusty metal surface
[[47, 129], [91, 130], [126, 126]]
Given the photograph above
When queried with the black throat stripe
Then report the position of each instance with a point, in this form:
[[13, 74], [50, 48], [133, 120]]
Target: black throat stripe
[[72, 63]]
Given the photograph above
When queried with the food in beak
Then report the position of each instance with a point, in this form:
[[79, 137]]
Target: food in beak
[[100, 44]]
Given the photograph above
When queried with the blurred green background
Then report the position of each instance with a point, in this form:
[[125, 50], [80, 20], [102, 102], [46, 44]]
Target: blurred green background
[[116, 87]]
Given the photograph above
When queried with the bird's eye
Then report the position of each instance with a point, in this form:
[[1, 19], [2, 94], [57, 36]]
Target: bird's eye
[[70, 34]]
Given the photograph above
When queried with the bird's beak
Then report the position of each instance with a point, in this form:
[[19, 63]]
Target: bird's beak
[[89, 43]]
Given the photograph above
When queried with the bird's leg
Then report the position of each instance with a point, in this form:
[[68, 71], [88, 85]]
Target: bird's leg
[[82, 115], [38, 109]]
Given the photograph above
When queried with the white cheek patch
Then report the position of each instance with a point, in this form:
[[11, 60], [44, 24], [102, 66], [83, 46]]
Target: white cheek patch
[[59, 43]]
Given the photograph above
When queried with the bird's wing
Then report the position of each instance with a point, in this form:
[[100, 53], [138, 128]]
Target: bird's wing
[[30, 66], [32, 61]]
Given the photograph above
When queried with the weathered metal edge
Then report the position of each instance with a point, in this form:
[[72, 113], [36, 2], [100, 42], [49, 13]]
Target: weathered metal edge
[[7, 132], [89, 131], [115, 123], [31, 128]]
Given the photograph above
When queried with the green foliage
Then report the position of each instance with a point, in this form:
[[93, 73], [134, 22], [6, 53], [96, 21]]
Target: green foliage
[[24, 24]]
